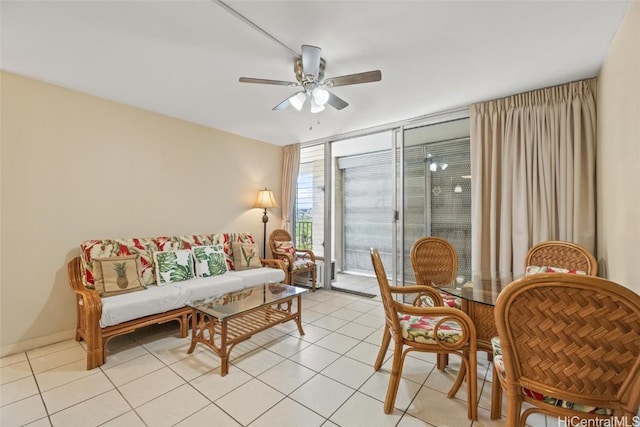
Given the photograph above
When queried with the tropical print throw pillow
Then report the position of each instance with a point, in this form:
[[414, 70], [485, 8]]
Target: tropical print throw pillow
[[173, 266], [209, 260]]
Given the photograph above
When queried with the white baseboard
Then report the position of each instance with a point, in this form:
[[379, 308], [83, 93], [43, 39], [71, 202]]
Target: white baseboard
[[27, 345]]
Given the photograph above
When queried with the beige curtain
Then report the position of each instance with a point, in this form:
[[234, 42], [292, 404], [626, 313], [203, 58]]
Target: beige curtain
[[533, 174], [290, 168]]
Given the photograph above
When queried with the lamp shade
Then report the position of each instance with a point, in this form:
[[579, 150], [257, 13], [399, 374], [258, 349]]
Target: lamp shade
[[297, 101], [265, 199], [315, 107]]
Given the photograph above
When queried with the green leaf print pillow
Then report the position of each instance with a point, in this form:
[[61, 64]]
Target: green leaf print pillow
[[173, 266], [210, 260]]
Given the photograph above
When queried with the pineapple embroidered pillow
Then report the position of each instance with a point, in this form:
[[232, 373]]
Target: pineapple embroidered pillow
[[117, 275], [173, 266], [210, 260], [245, 256]]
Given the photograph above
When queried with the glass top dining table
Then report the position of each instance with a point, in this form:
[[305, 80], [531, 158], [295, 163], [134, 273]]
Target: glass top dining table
[[478, 294], [478, 287]]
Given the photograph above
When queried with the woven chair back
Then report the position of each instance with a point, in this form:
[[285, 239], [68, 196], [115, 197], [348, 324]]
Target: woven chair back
[[434, 261], [555, 253], [573, 337]]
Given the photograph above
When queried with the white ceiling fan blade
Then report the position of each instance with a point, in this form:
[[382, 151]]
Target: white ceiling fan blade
[[283, 105], [336, 102], [310, 60]]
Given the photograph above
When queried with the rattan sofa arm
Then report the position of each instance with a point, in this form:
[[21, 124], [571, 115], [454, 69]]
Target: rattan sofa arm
[[89, 302]]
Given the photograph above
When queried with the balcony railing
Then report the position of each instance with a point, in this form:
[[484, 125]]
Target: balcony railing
[[304, 234]]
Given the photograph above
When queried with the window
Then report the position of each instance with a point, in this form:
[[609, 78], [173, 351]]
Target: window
[[309, 203]]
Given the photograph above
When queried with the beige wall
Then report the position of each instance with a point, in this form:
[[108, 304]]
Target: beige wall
[[618, 157], [76, 167]]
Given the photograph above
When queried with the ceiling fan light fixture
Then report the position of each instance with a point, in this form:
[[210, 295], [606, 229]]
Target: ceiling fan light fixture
[[315, 107], [297, 101], [320, 96]]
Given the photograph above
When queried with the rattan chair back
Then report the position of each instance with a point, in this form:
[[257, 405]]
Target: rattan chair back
[[555, 253], [434, 261], [572, 337]]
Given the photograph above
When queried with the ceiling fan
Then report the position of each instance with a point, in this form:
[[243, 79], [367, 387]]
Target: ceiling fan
[[309, 69]]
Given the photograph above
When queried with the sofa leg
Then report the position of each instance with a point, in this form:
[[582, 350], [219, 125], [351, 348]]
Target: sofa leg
[[95, 350], [184, 325], [95, 358]]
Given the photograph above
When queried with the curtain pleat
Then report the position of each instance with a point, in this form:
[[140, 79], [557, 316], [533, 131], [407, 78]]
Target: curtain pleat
[[290, 168], [533, 168]]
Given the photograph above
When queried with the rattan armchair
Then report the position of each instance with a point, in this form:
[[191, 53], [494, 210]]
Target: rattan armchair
[[435, 263], [441, 330], [556, 253], [570, 347], [296, 261]]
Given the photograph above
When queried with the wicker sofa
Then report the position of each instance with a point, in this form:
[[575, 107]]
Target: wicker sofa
[[100, 318]]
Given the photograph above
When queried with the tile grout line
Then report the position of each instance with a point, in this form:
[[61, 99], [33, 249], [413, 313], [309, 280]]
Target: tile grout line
[[35, 379]]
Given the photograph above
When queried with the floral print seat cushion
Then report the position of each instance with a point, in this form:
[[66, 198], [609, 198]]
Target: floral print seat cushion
[[288, 254], [420, 329], [227, 240], [535, 269], [91, 250], [448, 300], [301, 263], [144, 247], [498, 362]]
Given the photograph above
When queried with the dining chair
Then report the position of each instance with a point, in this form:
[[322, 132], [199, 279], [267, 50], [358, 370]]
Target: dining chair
[[549, 256], [296, 261], [426, 329], [569, 347], [565, 255], [435, 263]]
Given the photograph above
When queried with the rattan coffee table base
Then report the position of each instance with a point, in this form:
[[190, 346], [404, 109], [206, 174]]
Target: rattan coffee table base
[[222, 335]]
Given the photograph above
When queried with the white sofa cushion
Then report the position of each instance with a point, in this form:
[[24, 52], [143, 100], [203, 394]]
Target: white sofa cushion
[[205, 287], [158, 299], [155, 299], [258, 276]]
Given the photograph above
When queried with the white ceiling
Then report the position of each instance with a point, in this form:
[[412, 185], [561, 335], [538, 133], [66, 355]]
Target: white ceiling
[[184, 58]]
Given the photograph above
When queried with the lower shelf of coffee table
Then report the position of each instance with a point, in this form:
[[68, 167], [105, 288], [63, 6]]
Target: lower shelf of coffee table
[[222, 335]]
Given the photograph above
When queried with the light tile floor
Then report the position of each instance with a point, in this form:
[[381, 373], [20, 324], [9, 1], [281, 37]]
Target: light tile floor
[[277, 378]]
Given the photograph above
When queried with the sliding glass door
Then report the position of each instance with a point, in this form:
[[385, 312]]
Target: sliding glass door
[[437, 188], [384, 190]]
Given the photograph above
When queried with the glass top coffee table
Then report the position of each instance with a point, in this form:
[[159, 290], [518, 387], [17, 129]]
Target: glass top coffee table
[[223, 321]]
